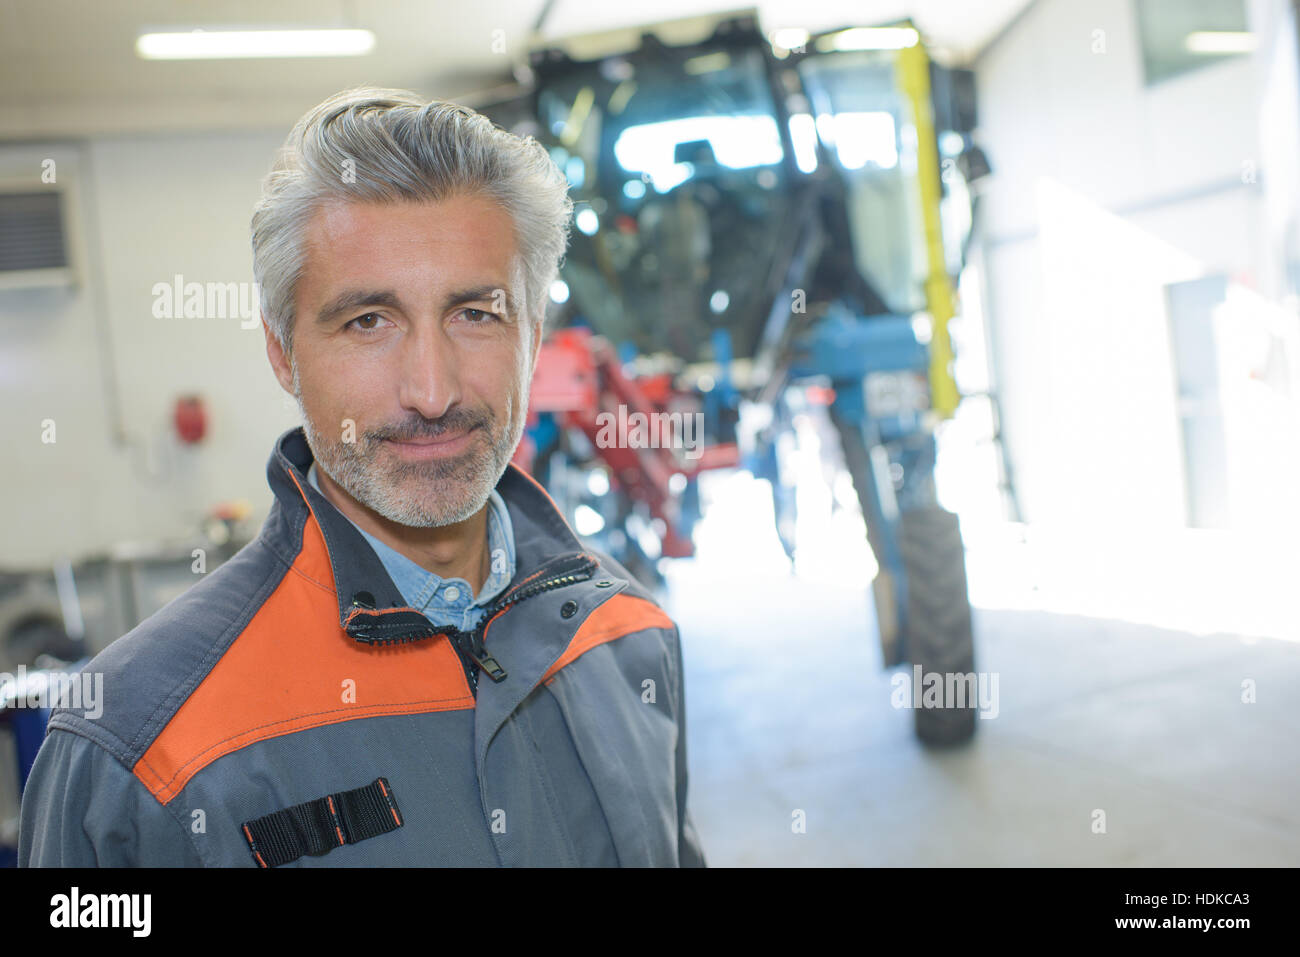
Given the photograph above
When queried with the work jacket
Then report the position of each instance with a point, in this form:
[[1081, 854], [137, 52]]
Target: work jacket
[[288, 709]]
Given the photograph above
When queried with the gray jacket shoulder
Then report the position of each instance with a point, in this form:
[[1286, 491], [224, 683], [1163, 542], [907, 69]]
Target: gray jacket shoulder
[[136, 685], [82, 805], [82, 808]]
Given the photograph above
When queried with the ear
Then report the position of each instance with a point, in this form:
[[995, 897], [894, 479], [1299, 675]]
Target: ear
[[281, 364]]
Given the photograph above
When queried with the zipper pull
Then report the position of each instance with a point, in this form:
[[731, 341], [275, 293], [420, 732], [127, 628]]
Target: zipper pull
[[561, 571], [483, 658], [469, 644]]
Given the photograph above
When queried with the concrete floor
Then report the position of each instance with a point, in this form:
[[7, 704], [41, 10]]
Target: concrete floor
[[788, 709]]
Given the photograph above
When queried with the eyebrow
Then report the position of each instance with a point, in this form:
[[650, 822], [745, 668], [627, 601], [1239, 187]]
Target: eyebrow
[[353, 299]]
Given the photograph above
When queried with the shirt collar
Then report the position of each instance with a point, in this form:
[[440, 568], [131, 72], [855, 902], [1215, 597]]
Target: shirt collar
[[428, 592]]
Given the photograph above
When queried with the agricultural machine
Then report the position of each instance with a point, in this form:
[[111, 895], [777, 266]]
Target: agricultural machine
[[753, 221]]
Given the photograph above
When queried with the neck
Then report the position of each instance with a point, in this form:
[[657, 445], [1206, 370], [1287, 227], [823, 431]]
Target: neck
[[449, 551]]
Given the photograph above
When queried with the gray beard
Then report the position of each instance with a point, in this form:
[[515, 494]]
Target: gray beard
[[419, 494]]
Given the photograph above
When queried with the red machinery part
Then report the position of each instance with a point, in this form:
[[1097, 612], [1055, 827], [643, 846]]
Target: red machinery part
[[580, 377], [565, 378]]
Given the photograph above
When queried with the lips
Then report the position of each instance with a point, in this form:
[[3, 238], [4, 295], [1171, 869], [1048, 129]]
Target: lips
[[424, 441], [433, 446]]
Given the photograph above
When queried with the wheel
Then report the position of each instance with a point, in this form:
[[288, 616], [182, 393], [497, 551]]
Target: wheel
[[31, 624], [939, 634]]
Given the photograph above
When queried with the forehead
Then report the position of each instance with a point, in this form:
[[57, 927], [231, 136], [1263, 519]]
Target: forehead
[[464, 238]]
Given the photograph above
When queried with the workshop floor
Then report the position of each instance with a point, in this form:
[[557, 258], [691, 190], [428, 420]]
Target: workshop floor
[[789, 711]]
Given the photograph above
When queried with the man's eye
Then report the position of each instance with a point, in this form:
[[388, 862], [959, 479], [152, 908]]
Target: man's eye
[[367, 323], [479, 315]]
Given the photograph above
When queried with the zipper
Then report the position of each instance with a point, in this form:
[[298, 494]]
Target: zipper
[[557, 573], [565, 570]]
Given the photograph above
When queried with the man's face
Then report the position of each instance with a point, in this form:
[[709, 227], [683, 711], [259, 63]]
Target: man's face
[[410, 326]]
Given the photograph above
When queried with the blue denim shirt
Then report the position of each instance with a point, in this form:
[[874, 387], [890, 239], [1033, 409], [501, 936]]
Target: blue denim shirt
[[448, 601]]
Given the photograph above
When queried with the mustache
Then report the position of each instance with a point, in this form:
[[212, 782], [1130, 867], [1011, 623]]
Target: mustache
[[454, 422]]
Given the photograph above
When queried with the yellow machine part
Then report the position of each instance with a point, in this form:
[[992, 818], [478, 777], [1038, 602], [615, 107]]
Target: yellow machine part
[[940, 296]]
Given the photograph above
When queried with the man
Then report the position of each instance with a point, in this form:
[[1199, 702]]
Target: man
[[416, 662]]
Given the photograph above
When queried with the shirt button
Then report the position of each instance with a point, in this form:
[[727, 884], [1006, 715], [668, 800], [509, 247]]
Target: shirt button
[[452, 593]]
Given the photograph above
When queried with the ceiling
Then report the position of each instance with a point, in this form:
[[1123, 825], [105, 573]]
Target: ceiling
[[68, 67]]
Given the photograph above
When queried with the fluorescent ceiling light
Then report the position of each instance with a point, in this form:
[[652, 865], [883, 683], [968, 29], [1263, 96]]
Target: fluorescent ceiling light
[[869, 38], [1220, 42], [245, 44]]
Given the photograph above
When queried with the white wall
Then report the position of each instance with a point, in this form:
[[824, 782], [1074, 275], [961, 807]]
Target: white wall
[[142, 209], [1103, 191]]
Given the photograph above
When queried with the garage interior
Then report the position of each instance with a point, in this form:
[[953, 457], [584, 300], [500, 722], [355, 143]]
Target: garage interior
[[990, 312]]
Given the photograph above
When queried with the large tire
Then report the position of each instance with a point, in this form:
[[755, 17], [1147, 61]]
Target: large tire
[[939, 634]]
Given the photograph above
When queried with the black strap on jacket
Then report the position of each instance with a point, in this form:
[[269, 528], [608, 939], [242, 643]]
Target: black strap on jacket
[[317, 827]]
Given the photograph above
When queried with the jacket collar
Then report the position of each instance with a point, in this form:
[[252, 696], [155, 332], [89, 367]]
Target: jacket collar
[[370, 606]]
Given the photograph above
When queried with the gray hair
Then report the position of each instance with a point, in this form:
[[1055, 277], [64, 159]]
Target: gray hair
[[383, 146]]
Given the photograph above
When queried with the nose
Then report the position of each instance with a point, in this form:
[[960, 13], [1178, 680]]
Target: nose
[[430, 381]]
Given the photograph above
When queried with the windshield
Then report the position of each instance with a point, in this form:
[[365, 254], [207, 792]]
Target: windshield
[[676, 168], [865, 127]]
